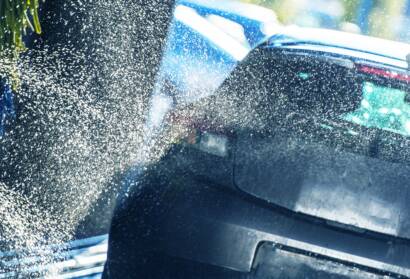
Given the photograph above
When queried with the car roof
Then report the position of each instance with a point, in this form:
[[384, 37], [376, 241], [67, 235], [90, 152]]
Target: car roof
[[337, 41]]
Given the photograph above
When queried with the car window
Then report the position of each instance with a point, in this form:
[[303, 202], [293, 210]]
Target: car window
[[317, 88], [382, 107]]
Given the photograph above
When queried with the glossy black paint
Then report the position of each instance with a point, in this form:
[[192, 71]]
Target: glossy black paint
[[219, 213]]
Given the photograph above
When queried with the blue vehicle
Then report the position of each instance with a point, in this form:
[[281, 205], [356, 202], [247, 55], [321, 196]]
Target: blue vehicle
[[206, 40], [297, 167], [257, 22]]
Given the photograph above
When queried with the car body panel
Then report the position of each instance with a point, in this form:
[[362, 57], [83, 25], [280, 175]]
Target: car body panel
[[206, 40], [200, 54], [256, 20], [209, 225], [314, 179]]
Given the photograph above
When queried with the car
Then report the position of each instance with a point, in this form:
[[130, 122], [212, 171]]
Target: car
[[257, 22], [297, 167], [205, 42]]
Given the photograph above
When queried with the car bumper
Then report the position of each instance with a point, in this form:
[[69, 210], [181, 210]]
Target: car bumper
[[228, 230]]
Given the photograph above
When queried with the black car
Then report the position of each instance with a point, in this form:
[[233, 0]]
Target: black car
[[298, 167]]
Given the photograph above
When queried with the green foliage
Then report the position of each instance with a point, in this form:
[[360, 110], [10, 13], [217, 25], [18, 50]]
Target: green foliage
[[16, 16], [351, 10]]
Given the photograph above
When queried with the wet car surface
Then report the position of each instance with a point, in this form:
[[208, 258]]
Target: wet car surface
[[296, 168], [206, 41]]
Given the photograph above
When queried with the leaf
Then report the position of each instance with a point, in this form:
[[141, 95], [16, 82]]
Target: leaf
[[16, 17]]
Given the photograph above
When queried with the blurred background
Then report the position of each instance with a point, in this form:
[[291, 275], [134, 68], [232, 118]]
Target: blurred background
[[389, 19]]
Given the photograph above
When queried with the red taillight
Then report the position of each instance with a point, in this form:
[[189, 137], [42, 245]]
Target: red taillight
[[384, 73]]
